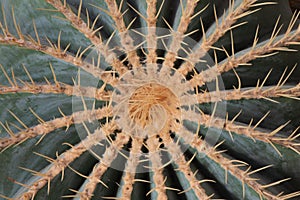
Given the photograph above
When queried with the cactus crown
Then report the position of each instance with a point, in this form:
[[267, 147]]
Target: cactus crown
[[160, 90]]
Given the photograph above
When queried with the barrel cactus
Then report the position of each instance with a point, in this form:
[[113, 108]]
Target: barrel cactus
[[149, 99]]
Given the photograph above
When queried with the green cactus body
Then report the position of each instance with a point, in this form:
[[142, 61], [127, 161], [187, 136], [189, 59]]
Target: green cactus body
[[149, 99]]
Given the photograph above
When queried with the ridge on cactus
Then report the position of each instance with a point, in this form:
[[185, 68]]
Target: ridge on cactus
[[149, 99]]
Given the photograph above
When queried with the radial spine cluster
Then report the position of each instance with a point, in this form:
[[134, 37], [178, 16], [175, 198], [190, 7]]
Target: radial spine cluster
[[146, 115]]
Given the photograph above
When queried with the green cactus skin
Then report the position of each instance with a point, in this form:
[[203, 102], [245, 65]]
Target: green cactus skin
[[149, 99]]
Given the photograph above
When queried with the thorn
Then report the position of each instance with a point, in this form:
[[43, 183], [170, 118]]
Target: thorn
[[6, 32], [121, 5], [206, 180], [141, 180], [79, 10], [86, 128], [7, 77], [78, 173], [184, 191], [256, 39], [170, 188], [5, 197], [51, 160], [36, 115], [53, 74], [274, 32], [278, 129], [237, 25], [243, 187], [48, 10], [236, 116], [95, 21], [35, 173], [164, 44], [219, 144], [160, 9], [83, 52], [18, 183], [238, 78], [136, 11], [7, 129], [66, 49], [213, 113], [50, 43], [13, 77], [122, 15], [264, 4], [42, 137], [110, 38], [61, 112], [199, 12], [17, 27], [289, 196], [288, 76], [203, 31], [78, 52], [232, 44], [260, 169], [18, 119], [275, 148], [28, 74], [261, 120], [216, 16], [265, 79], [152, 190], [68, 144], [275, 183], [170, 27], [292, 137], [139, 33], [58, 49]]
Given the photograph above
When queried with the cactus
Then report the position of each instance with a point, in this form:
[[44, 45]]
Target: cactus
[[149, 99]]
